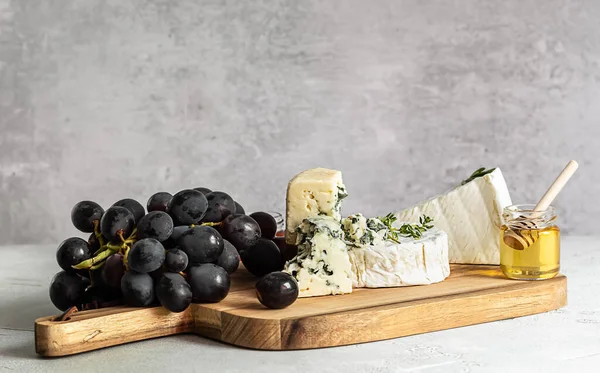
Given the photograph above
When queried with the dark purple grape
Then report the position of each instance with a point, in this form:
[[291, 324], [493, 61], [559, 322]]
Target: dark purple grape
[[84, 273], [176, 260], [242, 231], [157, 274], [239, 209], [84, 214], [96, 280], [159, 201], [178, 231], [203, 190], [262, 258], [94, 296], [173, 292], [66, 289], [267, 224], [221, 228], [187, 207], [93, 243], [229, 258], [171, 242], [117, 221], [287, 251], [219, 206], [134, 206], [137, 289], [113, 270], [210, 283], [202, 244], [157, 225], [146, 255], [277, 290], [72, 251]]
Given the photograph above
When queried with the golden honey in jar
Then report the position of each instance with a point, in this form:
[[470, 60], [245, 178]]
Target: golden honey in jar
[[529, 243]]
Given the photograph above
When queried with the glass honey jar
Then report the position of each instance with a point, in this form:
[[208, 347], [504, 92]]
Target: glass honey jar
[[529, 243]]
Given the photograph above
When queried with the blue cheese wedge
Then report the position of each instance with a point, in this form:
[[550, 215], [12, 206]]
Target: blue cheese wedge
[[360, 231], [385, 263], [314, 192], [322, 266], [471, 215]]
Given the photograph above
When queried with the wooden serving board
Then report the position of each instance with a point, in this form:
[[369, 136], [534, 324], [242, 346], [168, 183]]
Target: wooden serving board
[[471, 295]]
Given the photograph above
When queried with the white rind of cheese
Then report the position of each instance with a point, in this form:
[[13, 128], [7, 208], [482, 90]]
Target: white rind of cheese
[[411, 262], [318, 191], [322, 266], [471, 215]]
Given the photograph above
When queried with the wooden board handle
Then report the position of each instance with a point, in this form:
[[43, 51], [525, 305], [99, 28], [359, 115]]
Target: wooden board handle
[[556, 186], [90, 330]]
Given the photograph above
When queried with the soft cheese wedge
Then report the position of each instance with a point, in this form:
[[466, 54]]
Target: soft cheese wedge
[[322, 266], [410, 262], [379, 262], [471, 215], [318, 191]]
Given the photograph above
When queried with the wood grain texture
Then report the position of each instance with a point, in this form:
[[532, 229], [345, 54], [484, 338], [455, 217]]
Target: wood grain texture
[[471, 295]]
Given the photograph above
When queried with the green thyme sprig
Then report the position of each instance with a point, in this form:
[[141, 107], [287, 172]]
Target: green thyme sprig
[[478, 173], [416, 230], [407, 230], [391, 233], [388, 220]]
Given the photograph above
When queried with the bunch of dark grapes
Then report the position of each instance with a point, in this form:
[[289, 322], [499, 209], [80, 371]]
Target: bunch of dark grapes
[[179, 249]]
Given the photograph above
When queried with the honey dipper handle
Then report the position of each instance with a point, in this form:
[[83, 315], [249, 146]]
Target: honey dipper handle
[[556, 186]]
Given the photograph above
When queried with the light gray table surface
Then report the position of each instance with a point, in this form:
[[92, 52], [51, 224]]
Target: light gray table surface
[[566, 340]]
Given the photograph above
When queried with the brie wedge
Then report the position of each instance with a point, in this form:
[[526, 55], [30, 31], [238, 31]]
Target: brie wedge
[[471, 215], [410, 262]]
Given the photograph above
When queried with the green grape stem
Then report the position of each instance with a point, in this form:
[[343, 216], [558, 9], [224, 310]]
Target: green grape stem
[[88, 264], [96, 266], [125, 261], [107, 250], [97, 232], [99, 237], [101, 249], [208, 224]]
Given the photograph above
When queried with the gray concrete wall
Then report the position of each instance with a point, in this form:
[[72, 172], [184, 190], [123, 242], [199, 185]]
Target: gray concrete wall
[[109, 99]]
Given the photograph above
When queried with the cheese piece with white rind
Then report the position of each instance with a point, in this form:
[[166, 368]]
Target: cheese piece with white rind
[[318, 191], [471, 215], [322, 266], [411, 262]]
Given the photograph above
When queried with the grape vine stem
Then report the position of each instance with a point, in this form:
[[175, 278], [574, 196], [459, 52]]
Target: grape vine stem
[[208, 224], [107, 250], [97, 232]]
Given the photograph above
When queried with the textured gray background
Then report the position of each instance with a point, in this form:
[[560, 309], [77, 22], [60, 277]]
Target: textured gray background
[[109, 99]]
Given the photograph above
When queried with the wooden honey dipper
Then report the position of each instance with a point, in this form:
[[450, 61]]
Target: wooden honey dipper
[[519, 235]]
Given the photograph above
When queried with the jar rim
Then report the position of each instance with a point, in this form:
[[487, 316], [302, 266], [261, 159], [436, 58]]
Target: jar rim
[[528, 208]]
